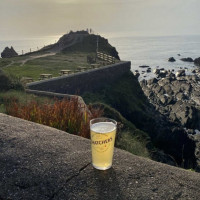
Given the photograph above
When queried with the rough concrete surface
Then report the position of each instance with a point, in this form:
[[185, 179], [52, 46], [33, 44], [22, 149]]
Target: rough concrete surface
[[38, 162]]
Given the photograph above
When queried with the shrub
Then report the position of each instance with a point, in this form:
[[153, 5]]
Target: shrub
[[5, 82], [16, 83], [9, 82], [66, 115]]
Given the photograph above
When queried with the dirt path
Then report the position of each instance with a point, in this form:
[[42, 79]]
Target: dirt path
[[12, 62], [35, 57]]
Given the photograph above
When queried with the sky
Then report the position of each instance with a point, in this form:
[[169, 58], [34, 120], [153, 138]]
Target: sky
[[112, 18]]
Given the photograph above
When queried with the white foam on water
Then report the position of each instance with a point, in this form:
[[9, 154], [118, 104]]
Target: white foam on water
[[103, 127]]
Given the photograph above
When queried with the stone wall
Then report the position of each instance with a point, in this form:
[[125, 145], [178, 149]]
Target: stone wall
[[84, 81]]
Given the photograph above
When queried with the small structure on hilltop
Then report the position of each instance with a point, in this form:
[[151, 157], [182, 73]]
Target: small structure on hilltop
[[9, 52]]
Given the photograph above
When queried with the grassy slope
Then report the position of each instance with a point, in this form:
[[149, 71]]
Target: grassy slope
[[126, 96], [49, 64]]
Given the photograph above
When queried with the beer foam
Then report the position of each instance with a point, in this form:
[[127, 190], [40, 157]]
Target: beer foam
[[103, 127]]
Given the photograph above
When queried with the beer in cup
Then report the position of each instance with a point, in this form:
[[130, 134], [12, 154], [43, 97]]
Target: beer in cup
[[103, 132]]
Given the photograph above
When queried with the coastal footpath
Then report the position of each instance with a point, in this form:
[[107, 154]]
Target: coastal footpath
[[39, 162]]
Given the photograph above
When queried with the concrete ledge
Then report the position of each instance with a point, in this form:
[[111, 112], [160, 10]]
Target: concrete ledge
[[38, 162]]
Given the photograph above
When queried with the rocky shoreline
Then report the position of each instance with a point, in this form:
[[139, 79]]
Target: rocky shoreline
[[177, 98]]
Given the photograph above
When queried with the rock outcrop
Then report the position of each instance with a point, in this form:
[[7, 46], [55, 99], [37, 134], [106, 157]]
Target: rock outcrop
[[144, 66], [187, 59], [180, 73], [197, 61], [81, 41], [177, 97], [171, 59], [9, 52]]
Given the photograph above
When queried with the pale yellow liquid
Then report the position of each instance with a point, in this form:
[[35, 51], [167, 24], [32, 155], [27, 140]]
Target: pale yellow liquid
[[102, 142]]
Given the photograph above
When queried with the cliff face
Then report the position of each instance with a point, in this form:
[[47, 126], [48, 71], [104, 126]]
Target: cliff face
[[82, 41], [8, 53], [127, 97]]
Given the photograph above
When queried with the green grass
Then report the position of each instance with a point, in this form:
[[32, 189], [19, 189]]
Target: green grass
[[126, 96], [131, 143], [47, 65], [20, 96]]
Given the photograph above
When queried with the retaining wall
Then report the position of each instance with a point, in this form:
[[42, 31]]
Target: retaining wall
[[84, 81]]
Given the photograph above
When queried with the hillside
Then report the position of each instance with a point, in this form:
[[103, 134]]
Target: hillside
[[127, 97], [81, 41], [69, 53]]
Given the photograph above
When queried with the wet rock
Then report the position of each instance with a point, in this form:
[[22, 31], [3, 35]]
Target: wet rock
[[162, 74], [194, 71], [187, 59], [168, 89], [156, 71], [137, 74], [144, 66], [148, 70], [171, 76], [190, 131], [171, 59], [163, 99], [180, 96], [197, 61], [143, 83], [180, 73], [152, 81], [179, 99]]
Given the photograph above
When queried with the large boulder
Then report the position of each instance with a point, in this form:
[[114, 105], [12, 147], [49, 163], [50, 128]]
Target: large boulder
[[172, 59], [163, 74], [144, 66], [9, 52], [137, 74], [156, 71], [180, 73], [197, 61], [187, 59]]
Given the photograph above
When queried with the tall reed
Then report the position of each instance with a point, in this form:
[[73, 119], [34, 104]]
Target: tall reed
[[67, 115]]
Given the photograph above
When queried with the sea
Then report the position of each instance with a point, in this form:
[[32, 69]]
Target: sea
[[151, 51], [155, 52]]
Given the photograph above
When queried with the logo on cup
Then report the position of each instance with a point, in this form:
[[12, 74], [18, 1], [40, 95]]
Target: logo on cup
[[101, 142]]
